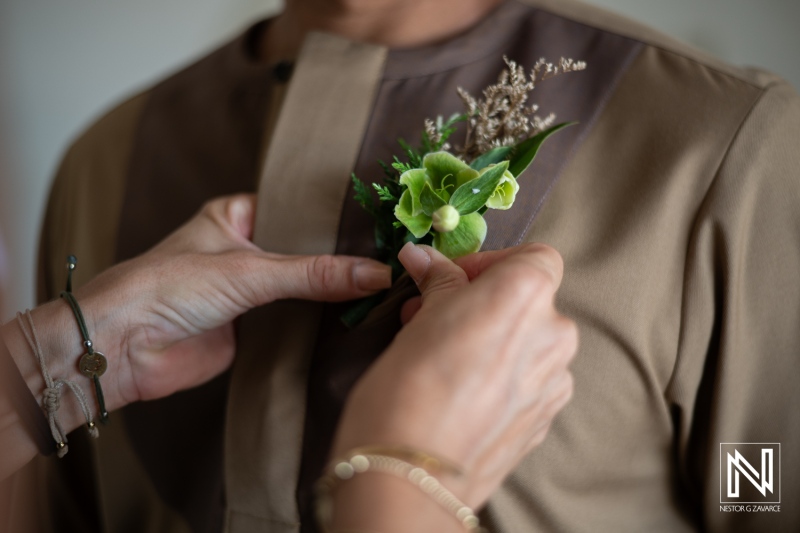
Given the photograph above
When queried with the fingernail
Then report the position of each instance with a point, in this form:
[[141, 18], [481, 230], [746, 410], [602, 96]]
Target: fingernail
[[416, 260], [372, 276]]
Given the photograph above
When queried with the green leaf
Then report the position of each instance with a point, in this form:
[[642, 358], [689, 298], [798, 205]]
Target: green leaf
[[399, 166], [473, 194], [384, 194], [414, 157], [468, 174], [447, 128], [525, 152], [441, 165], [444, 128], [363, 196], [420, 224], [495, 155], [466, 239], [414, 179], [455, 118], [430, 200], [387, 170]]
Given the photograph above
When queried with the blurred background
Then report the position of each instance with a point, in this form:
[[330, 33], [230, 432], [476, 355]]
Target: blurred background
[[63, 62]]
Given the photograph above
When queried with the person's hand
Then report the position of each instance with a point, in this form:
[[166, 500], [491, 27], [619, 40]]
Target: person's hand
[[479, 372], [168, 314]]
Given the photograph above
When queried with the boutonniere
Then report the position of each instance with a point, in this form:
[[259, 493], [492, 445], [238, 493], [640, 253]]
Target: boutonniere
[[437, 194]]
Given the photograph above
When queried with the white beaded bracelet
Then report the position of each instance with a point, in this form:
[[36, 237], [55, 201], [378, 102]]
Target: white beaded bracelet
[[360, 461]]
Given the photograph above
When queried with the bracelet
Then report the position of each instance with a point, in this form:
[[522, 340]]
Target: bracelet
[[23, 400], [400, 462], [51, 400], [92, 364]]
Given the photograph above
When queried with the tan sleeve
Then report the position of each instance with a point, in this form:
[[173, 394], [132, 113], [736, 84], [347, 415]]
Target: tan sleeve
[[85, 201], [738, 369]]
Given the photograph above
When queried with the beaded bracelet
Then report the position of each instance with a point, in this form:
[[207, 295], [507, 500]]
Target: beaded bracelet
[[400, 462], [92, 364]]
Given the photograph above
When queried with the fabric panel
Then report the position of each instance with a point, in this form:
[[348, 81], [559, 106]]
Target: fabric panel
[[342, 355], [82, 218], [313, 150], [82, 214], [199, 137], [742, 276], [622, 216]]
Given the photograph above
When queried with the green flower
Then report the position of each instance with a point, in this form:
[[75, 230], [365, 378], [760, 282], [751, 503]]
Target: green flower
[[447, 194], [466, 239], [506, 192], [445, 219], [419, 225]]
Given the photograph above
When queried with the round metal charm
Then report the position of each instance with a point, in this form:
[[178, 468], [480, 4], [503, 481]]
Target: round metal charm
[[93, 364]]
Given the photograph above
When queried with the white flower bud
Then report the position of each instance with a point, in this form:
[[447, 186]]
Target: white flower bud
[[445, 219]]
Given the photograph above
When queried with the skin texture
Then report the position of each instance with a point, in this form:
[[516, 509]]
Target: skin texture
[[476, 376], [182, 333], [392, 23], [165, 319]]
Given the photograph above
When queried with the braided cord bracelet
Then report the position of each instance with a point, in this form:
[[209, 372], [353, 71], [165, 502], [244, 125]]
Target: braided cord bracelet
[[25, 402], [51, 400], [92, 364]]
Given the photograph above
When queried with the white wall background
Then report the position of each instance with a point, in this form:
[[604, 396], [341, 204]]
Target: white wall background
[[62, 62]]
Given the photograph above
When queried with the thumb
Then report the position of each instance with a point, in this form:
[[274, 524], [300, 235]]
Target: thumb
[[240, 213], [329, 278], [432, 271]]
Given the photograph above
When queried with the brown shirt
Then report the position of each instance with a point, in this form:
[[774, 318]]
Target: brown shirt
[[673, 203]]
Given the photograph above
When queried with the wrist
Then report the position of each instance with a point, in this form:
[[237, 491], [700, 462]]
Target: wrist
[[345, 500], [380, 502], [107, 330], [52, 329], [62, 346], [395, 423]]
